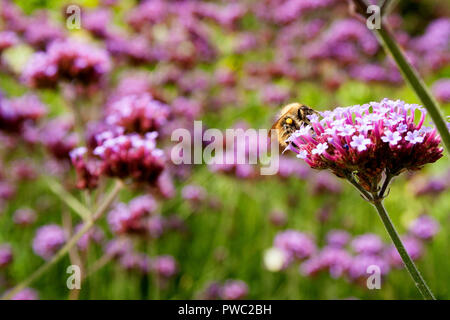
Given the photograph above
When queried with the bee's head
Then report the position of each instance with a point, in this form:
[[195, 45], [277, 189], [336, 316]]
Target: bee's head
[[303, 112]]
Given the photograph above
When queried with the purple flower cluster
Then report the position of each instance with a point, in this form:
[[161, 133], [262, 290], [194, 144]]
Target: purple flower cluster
[[296, 245], [343, 256], [17, 111], [229, 290], [40, 32], [193, 193], [275, 95], [148, 13], [138, 113], [441, 90], [367, 244], [24, 217], [6, 255], [246, 148], [337, 238], [7, 190], [7, 40], [278, 218], [372, 72], [413, 246], [57, 136], [133, 217], [67, 61], [432, 46], [94, 235], [130, 155], [164, 266], [335, 260], [88, 169], [345, 41], [97, 22], [368, 140], [287, 11], [119, 155], [289, 167], [424, 227], [48, 240], [430, 185], [227, 15], [26, 294]]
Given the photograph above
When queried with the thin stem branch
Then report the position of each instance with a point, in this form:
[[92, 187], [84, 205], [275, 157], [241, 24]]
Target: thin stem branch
[[69, 244], [365, 194], [386, 183], [68, 199], [410, 75], [409, 264]]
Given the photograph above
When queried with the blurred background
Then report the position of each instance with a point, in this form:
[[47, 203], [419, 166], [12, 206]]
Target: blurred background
[[212, 232]]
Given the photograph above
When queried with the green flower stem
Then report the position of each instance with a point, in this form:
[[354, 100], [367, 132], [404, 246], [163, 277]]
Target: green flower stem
[[68, 199], [410, 266], [411, 76], [376, 199], [70, 244]]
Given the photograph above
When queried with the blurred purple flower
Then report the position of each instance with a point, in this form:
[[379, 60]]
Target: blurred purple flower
[[424, 227], [97, 22], [193, 193], [325, 183], [278, 218], [414, 248], [358, 267], [164, 266], [7, 190], [24, 217], [147, 14], [26, 294], [441, 90], [338, 238], [295, 244], [155, 226], [40, 32], [58, 138], [138, 113], [130, 156], [289, 167], [48, 240], [118, 247], [212, 291], [15, 112], [7, 40], [335, 260], [185, 107], [132, 217], [24, 170], [275, 95], [67, 60], [6, 255], [368, 244], [234, 290], [432, 46], [376, 73], [94, 235], [88, 169]]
